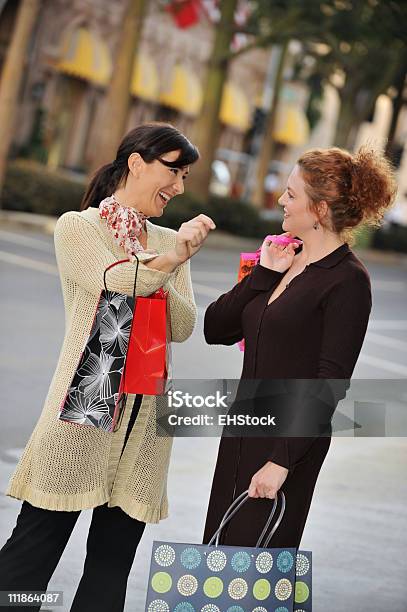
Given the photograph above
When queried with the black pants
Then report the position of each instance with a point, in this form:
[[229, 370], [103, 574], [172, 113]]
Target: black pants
[[31, 554]]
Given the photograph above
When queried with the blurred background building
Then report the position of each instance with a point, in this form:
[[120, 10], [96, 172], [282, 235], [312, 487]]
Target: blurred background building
[[70, 64], [293, 83]]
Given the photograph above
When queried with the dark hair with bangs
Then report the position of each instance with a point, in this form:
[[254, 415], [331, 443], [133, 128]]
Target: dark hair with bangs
[[151, 141]]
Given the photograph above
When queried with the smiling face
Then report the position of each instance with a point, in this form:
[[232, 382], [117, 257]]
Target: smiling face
[[152, 185], [298, 218]]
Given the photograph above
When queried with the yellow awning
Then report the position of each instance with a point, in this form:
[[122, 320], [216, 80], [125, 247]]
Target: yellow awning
[[184, 93], [145, 81], [292, 126], [86, 56], [235, 108]]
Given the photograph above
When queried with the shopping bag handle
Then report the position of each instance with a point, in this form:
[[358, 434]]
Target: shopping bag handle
[[235, 507], [123, 396], [119, 262]]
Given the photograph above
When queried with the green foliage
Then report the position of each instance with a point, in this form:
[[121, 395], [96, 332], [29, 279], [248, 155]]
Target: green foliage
[[363, 236], [233, 216], [35, 149], [353, 37], [31, 187], [391, 238], [357, 37]]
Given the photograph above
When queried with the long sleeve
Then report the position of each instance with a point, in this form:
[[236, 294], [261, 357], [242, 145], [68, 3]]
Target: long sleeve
[[83, 258], [346, 312], [222, 323], [181, 300]]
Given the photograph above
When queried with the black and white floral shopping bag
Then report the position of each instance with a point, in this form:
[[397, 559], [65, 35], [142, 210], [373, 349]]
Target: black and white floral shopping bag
[[94, 397]]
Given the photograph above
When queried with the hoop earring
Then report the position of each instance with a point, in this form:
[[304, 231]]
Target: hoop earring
[[315, 226]]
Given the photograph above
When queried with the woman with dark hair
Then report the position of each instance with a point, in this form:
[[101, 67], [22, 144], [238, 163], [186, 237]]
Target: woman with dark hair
[[67, 468], [303, 316]]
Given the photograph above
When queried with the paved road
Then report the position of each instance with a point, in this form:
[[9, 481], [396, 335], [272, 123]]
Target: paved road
[[357, 523]]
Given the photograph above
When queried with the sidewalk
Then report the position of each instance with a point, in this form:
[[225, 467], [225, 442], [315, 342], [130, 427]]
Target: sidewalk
[[356, 525], [218, 240]]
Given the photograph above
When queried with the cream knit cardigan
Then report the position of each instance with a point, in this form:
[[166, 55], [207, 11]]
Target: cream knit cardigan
[[70, 467]]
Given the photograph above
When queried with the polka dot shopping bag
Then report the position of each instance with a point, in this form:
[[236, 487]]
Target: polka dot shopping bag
[[215, 578]]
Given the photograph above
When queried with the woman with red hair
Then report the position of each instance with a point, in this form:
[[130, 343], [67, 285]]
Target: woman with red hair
[[303, 315]]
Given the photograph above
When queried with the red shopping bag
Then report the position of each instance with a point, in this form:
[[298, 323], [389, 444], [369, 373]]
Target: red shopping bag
[[146, 360], [246, 265]]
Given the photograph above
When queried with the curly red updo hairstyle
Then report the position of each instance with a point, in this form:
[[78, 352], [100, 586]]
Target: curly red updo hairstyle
[[358, 188]]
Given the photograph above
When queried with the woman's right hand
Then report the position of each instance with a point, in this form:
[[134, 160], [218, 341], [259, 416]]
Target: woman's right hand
[[190, 237], [276, 256]]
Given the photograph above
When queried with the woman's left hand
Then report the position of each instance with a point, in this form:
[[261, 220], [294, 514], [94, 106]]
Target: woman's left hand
[[268, 480]]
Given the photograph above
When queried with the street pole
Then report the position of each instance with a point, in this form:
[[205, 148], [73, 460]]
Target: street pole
[[269, 95], [267, 145]]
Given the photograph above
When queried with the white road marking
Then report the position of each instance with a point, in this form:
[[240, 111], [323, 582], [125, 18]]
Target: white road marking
[[377, 362], [388, 324], [28, 241], [384, 285], [205, 290], [25, 262], [13, 454], [383, 364], [398, 345]]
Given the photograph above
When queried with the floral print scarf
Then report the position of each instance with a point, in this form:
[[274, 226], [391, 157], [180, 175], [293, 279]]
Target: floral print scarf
[[125, 223]]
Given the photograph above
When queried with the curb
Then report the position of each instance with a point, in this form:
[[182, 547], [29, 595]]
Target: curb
[[219, 241], [30, 221]]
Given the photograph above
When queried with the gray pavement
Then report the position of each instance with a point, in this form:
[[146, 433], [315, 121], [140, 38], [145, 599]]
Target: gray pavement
[[357, 523]]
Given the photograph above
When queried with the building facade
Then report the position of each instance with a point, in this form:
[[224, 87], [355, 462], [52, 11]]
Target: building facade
[[70, 62]]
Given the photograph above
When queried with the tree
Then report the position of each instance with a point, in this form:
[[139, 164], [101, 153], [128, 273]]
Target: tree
[[116, 105], [360, 38], [398, 102], [12, 75], [277, 22], [270, 23], [207, 127]]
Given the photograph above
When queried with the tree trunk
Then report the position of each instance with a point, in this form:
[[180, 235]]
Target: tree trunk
[[398, 103], [207, 127], [116, 105], [346, 119], [352, 112], [13, 71], [267, 145]]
